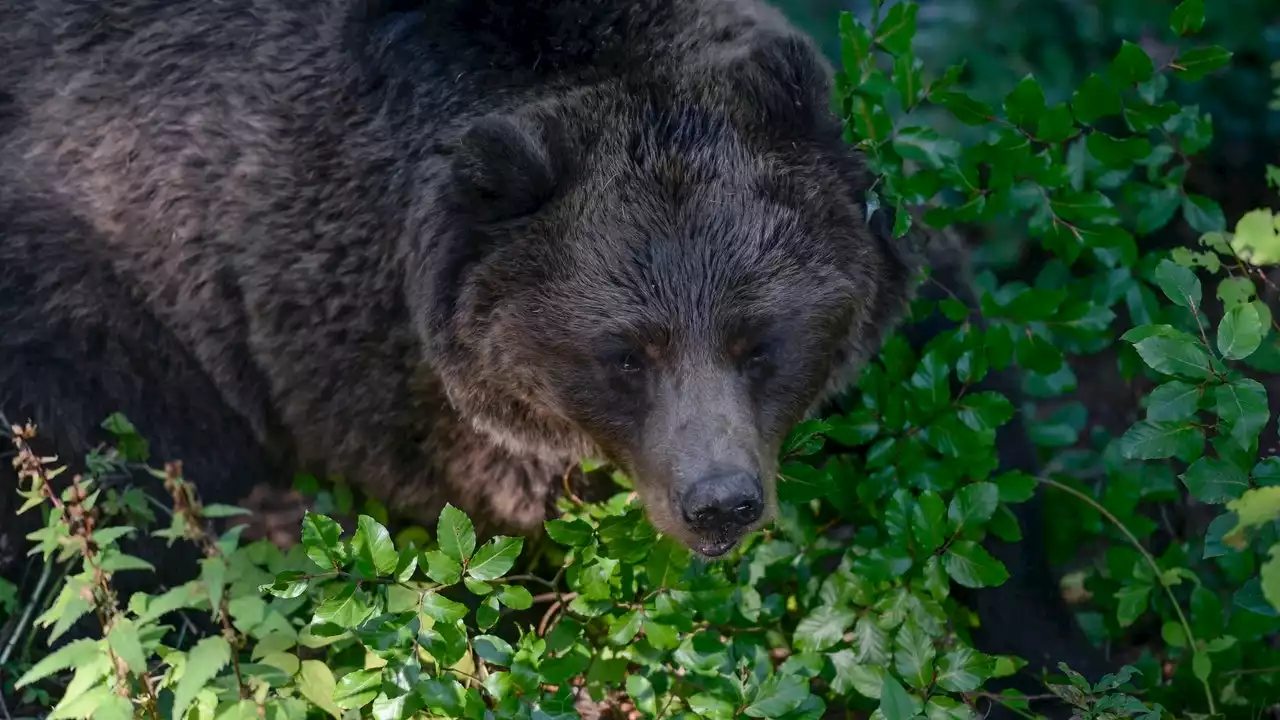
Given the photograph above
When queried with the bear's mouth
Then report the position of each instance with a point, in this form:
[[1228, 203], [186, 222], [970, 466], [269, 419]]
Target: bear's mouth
[[715, 547]]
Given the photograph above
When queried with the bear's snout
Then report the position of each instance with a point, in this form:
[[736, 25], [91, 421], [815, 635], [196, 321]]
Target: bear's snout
[[723, 503]]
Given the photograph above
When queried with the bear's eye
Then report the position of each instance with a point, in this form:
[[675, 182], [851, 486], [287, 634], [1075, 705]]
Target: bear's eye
[[760, 355], [628, 362]]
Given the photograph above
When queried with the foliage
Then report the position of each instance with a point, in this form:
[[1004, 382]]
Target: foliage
[[850, 600]]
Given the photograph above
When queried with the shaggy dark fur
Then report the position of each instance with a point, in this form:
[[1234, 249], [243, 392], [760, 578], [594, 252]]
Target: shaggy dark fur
[[442, 248]]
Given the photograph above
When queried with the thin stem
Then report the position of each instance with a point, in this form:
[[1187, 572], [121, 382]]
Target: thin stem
[[1155, 568]]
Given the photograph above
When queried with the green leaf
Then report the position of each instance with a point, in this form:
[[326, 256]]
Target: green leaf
[[1173, 634], [1256, 507], [1240, 333], [985, 410], [357, 688], [516, 597], [1056, 125], [320, 536], [624, 628], [973, 504], [960, 670], [1270, 577], [495, 558], [913, 655], [966, 109], [1202, 214], [1131, 602], [1257, 239], [493, 649], [1150, 440], [573, 533], [456, 534], [898, 28], [895, 703], [374, 553], [442, 609], [780, 694], [1174, 401], [345, 607], [969, 564], [1187, 18], [1178, 283], [1175, 356], [822, 628], [204, 662], [928, 521], [1195, 63], [1015, 486], [1024, 105], [1131, 66], [1242, 406], [442, 568], [1116, 153], [123, 639], [1095, 99], [852, 676], [1215, 481], [925, 145], [74, 653], [1201, 666], [315, 682]]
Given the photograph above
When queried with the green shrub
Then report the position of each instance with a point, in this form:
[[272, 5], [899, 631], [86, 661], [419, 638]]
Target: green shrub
[[799, 622]]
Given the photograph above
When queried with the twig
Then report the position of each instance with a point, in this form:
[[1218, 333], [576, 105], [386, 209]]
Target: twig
[[1155, 568]]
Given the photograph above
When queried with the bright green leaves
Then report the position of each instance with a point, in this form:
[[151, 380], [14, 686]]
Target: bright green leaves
[[374, 553], [1257, 237], [1240, 333], [456, 534], [970, 565]]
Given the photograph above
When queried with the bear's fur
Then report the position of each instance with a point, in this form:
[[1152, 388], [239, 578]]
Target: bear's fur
[[445, 249], [411, 244]]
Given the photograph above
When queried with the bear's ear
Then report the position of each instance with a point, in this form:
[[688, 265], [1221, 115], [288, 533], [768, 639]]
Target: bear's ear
[[504, 168], [779, 86]]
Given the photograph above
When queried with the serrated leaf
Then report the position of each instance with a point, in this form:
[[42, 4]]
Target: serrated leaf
[[123, 639], [896, 31], [204, 662], [74, 653]]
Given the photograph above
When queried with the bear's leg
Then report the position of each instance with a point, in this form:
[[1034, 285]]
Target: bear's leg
[[75, 347]]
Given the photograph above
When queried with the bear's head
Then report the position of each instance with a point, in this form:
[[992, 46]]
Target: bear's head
[[671, 272]]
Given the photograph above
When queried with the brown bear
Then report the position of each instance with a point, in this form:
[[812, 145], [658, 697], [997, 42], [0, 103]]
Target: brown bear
[[445, 249]]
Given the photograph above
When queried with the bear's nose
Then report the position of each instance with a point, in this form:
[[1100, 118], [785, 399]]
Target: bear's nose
[[723, 502]]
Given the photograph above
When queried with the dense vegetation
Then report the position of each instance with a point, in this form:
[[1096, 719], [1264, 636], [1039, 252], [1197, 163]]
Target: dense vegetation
[[847, 602]]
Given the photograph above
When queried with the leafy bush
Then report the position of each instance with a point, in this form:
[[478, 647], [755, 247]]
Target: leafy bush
[[846, 602]]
